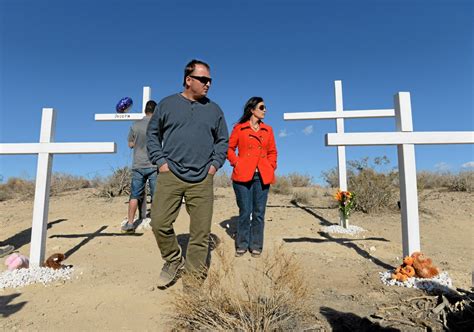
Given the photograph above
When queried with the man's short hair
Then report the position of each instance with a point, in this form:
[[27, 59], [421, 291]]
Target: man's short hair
[[191, 66], [150, 106]]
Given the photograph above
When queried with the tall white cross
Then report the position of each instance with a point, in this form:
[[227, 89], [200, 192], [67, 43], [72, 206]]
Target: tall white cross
[[405, 139], [45, 150], [131, 117], [340, 115]]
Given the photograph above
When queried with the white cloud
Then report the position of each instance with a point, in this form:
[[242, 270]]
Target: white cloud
[[308, 130], [282, 133], [442, 166], [469, 164]]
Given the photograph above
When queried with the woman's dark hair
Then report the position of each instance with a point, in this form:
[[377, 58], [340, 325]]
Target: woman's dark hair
[[191, 66], [249, 106]]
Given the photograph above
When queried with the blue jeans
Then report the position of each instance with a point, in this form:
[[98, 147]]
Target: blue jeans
[[252, 200], [139, 178]]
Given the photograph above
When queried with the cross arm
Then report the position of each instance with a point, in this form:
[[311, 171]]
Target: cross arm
[[64, 148], [119, 116], [339, 115], [396, 138]]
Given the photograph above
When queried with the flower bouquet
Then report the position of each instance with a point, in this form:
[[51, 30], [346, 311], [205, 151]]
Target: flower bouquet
[[345, 201]]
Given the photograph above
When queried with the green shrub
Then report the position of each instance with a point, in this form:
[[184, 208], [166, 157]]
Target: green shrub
[[375, 190]]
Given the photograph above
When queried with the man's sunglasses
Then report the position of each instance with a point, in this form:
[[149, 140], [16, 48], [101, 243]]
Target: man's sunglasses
[[203, 79], [262, 107]]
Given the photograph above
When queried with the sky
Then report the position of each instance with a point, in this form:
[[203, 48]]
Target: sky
[[82, 57]]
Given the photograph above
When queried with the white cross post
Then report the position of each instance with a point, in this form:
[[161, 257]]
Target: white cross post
[[340, 115], [131, 117], [405, 139], [45, 150]]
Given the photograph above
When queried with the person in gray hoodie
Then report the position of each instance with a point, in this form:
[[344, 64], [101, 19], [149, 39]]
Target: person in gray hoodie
[[187, 138]]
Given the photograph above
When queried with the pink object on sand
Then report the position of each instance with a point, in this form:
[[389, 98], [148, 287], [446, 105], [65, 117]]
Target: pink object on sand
[[17, 261]]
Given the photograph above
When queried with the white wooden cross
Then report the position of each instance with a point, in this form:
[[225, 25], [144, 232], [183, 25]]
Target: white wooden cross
[[340, 115], [45, 150], [405, 139], [127, 116], [131, 117]]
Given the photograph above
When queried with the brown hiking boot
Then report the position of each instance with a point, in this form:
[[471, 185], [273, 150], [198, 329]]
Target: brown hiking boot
[[170, 272]]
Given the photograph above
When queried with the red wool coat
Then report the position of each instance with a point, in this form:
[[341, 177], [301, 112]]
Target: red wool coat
[[257, 150]]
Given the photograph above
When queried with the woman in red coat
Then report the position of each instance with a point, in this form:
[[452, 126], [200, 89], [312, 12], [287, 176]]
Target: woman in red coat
[[254, 171]]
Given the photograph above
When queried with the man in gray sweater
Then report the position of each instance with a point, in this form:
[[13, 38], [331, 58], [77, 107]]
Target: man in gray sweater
[[142, 169], [187, 139]]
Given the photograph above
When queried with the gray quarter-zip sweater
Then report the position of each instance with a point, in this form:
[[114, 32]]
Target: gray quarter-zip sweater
[[188, 135]]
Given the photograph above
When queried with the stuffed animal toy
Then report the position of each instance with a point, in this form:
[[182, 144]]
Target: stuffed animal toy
[[54, 261], [423, 266], [416, 265], [17, 261]]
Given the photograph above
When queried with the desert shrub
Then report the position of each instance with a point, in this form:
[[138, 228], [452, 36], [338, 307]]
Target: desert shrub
[[273, 297], [463, 181], [303, 197], [222, 180], [17, 188], [62, 182], [433, 180], [300, 180], [25, 189], [117, 184], [331, 177], [376, 189], [5, 194], [281, 186]]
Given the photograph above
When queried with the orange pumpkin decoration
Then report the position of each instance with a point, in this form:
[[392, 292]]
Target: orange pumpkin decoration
[[409, 271], [398, 276], [408, 260], [423, 266], [427, 272]]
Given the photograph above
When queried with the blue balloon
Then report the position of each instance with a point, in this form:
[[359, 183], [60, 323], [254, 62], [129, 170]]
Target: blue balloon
[[124, 104]]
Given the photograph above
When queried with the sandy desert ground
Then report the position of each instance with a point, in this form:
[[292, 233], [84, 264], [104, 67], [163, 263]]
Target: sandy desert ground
[[113, 285]]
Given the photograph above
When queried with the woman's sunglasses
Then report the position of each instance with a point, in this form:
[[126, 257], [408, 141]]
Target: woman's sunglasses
[[203, 79], [262, 107]]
